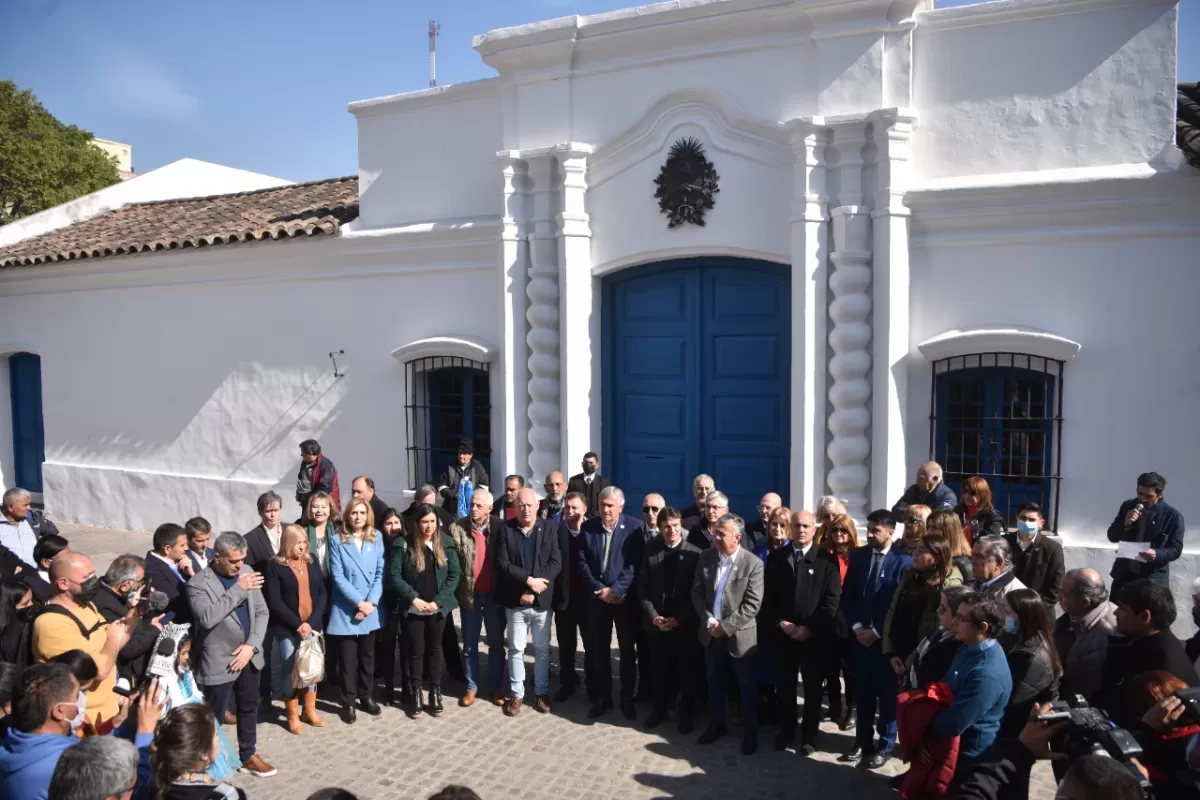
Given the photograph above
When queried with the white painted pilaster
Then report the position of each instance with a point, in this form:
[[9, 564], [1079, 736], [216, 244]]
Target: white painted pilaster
[[510, 400], [808, 221], [576, 289], [543, 316], [889, 472]]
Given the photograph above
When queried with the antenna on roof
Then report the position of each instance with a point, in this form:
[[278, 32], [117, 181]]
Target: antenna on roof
[[434, 30]]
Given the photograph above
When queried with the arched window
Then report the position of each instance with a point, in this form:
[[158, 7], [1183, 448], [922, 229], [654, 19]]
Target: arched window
[[448, 398], [999, 415]]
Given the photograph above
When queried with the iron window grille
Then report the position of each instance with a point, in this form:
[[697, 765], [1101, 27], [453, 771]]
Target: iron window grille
[[447, 398], [999, 416]]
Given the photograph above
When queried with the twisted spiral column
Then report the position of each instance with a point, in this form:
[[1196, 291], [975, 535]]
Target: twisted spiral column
[[849, 447], [543, 315]]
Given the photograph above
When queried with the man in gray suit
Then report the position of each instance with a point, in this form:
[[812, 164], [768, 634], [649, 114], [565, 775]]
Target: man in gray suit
[[727, 594], [231, 621]]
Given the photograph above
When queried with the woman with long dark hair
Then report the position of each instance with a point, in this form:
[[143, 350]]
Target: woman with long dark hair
[[16, 623], [934, 654], [392, 526], [839, 535], [913, 613], [424, 578], [184, 746], [979, 517], [1033, 661]]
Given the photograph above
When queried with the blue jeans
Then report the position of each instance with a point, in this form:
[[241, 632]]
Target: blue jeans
[[521, 623], [718, 661], [288, 645], [874, 684], [484, 613]]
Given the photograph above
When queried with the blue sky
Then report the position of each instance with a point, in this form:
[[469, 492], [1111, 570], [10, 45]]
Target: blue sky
[[263, 84]]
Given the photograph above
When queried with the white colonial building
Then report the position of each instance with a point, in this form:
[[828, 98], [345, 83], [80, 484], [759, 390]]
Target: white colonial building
[[962, 233]]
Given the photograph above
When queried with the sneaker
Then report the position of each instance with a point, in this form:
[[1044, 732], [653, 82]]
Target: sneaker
[[256, 766]]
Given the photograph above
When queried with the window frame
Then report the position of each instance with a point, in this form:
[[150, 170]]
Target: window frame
[[422, 412]]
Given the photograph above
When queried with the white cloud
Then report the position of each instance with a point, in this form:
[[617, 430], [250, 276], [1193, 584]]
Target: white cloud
[[135, 85]]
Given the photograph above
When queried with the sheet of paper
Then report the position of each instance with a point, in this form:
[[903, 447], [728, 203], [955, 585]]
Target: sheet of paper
[[1130, 550]]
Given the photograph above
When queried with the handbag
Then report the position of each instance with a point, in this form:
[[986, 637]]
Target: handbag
[[309, 668]]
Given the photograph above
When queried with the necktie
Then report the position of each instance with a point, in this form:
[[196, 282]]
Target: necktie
[[604, 563], [869, 594]]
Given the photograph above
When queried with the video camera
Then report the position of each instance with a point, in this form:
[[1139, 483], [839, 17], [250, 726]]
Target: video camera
[[1090, 732]]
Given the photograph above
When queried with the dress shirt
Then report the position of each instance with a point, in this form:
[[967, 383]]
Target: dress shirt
[[1024, 545], [588, 479], [798, 554], [724, 569], [275, 537], [200, 558], [981, 586], [174, 567], [877, 568], [19, 538]]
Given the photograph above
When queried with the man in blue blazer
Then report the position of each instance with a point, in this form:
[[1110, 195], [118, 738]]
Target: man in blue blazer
[[1147, 518], [199, 536], [871, 580], [612, 547], [168, 570]]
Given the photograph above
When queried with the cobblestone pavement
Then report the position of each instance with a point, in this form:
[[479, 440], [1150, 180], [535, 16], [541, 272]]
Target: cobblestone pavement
[[534, 756]]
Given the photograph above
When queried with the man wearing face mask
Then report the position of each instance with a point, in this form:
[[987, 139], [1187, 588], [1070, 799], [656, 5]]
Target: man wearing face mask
[[45, 714], [1037, 559], [71, 621], [590, 483], [121, 589]]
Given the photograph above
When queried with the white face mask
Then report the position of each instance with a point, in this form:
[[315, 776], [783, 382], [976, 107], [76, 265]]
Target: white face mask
[[80, 712]]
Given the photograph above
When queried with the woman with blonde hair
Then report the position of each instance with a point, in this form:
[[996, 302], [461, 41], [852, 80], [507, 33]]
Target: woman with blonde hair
[[914, 526], [296, 598], [948, 524], [424, 577], [827, 508], [839, 536], [356, 567], [321, 526], [779, 533]]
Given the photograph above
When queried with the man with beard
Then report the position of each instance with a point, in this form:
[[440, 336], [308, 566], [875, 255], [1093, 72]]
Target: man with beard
[[552, 506], [506, 509], [590, 483], [121, 588], [71, 621]]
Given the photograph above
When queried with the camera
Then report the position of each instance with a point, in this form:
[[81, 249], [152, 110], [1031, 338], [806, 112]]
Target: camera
[[1090, 732]]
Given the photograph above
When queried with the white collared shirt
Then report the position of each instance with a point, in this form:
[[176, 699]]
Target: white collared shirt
[[18, 538], [275, 537], [1025, 545], [724, 570], [174, 567], [200, 558]]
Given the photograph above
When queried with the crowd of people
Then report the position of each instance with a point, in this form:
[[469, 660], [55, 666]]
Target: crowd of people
[[939, 645]]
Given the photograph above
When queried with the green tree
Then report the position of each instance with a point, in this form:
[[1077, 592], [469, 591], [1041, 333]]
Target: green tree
[[42, 161]]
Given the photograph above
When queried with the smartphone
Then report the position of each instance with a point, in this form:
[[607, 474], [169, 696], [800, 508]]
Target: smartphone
[[167, 617], [124, 688], [1191, 704]]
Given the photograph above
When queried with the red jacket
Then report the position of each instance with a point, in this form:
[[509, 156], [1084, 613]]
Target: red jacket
[[914, 714]]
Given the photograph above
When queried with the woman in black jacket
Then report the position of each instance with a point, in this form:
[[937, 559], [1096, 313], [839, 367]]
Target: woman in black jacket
[[913, 613], [16, 623], [1034, 661], [185, 743], [979, 517], [296, 598], [931, 660]]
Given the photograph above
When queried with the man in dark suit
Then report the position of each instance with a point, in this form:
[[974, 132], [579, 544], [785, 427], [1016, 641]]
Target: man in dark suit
[[364, 487], [426, 495], [871, 579], [758, 531], [199, 537], [727, 595], [570, 614], [693, 515], [262, 542], [1147, 518], [664, 589], [612, 547], [704, 533], [802, 589], [1037, 559], [168, 570], [527, 562], [590, 483]]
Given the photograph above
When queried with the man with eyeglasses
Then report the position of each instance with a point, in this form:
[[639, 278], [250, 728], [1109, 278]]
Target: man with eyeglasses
[[758, 531], [704, 534]]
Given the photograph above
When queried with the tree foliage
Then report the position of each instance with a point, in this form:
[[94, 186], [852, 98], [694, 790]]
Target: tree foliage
[[42, 161]]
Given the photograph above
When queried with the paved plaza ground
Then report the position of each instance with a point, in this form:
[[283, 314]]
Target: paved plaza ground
[[534, 756]]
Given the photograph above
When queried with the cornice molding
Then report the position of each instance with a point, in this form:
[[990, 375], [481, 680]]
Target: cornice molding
[[422, 98], [448, 346], [996, 339], [1003, 11]]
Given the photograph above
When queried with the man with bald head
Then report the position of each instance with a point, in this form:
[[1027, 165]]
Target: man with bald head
[[757, 533], [556, 489], [1081, 633], [68, 614], [929, 490]]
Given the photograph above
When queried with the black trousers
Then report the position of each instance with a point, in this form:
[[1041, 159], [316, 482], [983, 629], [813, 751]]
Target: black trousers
[[645, 681], [838, 667], [356, 655], [601, 618], [240, 695], [807, 659], [386, 663], [570, 628], [453, 663], [676, 663], [423, 646]]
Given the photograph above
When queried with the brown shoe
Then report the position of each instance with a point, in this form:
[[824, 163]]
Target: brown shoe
[[308, 712], [512, 706], [230, 719], [542, 704], [254, 765], [467, 700], [498, 699]]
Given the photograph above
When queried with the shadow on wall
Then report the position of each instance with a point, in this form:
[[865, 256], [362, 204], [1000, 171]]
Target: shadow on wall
[[1184, 572]]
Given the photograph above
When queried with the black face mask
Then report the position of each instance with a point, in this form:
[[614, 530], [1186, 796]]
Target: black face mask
[[87, 591], [589, 468]]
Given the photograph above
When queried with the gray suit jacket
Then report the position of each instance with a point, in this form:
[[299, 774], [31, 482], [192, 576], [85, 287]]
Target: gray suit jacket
[[740, 601], [217, 631]]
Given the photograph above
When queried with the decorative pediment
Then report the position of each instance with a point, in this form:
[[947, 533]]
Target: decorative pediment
[[998, 339], [448, 346]]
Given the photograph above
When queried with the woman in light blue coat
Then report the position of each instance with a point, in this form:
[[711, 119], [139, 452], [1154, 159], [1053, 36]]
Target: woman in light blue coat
[[356, 568]]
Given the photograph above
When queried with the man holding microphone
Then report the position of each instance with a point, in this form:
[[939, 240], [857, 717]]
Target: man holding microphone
[[1149, 521]]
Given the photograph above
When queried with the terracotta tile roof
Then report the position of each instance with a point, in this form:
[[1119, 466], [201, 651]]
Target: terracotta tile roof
[[303, 209], [1187, 122]]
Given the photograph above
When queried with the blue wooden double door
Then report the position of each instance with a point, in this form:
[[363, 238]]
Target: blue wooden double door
[[697, 362]]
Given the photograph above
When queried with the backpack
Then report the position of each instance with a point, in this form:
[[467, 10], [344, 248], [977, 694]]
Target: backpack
[[51, 608]]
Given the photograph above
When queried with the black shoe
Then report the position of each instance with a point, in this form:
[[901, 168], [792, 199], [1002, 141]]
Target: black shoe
[[826, 715], [878, 759], [349, 715], [784, 740], [369, 706], [847, 723], [685, 725], [628, 709], [896, 781], [851, 756], [711, 734], [655, 719], [598, 708], [807, 750], [749, 744], [564, 694], [435, 700]]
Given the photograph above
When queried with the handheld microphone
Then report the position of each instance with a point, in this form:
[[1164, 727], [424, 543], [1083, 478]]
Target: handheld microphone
[[1138, 508], [162, 663], [157, 603]]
